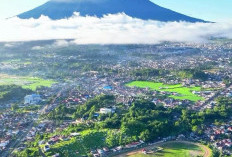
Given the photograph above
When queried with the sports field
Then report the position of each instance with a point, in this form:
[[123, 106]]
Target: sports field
[[26, 82], [174, 149], [181, 93]]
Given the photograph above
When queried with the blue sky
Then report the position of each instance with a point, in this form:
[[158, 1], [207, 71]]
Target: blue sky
[[9, 8], [212, 10]]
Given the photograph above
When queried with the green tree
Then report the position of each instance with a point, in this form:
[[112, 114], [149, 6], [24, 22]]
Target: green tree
[[14, 107], [145, 135]]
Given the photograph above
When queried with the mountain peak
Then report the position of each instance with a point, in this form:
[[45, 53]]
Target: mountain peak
[[142, 9]]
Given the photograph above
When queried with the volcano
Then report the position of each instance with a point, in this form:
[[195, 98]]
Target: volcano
[[141, 9]]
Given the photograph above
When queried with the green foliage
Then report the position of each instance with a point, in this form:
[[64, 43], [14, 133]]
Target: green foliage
[[145, 135], [148, 72], [60, 113], [92, 139], [28, 108], [9, 92], [227, 81], [110, 122], [89, 139], [142, 121], [192, 73], [29, 152], [113, 138], [14, 107], [90, 107], [184, 74]]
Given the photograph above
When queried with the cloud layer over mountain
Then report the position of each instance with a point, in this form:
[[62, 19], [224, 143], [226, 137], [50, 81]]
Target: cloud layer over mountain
[[111, 29]]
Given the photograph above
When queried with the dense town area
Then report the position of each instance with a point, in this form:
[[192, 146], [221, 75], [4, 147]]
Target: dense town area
[[59, 99]]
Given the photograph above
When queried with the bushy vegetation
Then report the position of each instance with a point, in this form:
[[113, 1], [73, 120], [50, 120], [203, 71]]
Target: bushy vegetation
[[197, 73], [29, 152], [94, 105], [60, 113], [148, 72], [142, 121], [192, 73], [12, 92]]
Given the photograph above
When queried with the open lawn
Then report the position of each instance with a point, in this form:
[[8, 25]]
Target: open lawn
[[182, 93], [31, 83]]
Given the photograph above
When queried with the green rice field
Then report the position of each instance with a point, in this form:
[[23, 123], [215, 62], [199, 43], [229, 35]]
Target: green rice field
[[26, 82], [182, 93]]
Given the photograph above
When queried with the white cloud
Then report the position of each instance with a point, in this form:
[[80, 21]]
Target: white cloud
[[61, 43], [9, 45], [12, 44], [37, 48], [110, 29]]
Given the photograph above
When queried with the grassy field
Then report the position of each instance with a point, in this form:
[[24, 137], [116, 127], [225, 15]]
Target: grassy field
[[175, 149], [25, 82], [81, 145], [183, 93]]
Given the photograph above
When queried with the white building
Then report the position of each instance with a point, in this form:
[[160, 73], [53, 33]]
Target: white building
[[107, 110], [3, 144], [229, 94], [32, 99]]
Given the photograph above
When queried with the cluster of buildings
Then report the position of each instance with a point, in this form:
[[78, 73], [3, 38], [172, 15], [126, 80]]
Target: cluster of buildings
[[106, 151], [12, 125], [44, 126], [85, 85], [221, 137]]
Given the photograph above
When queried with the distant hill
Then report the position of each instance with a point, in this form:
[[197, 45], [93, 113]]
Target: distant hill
[[142, 9]]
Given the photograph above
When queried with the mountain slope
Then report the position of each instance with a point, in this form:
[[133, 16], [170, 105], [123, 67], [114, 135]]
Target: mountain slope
[[142, 9]]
